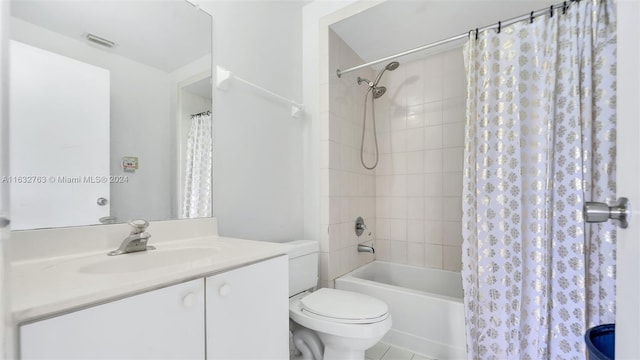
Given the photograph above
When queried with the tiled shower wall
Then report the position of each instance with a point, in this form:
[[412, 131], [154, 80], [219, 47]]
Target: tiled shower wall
[[347, 189], [420, 124]]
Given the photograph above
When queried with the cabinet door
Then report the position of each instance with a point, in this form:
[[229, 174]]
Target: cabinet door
[[248, 312], [162, 324]]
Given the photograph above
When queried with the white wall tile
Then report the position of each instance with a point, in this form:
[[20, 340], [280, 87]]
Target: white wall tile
[[433, 232], [453, 134], [398, 185], [415, 116], [415, 254], [433, 113], [415, 231], [399, 141], [433, 78], [452, 233], [433, 208], [384, 143], [383, 228], [452, 258], [398, 252], [323, 266], [433, 184], [452, 208], [399, 163], [433, 161], [433, 137], [453, 110], [383, 251], [398, 230], [415, 162], [414, 83], [398, 118], [415, 208], [415, 185], [452, 159], [383, 207], [455, 83], [415, 139], [433, 256], [399, 207], [452, 184], [412, 200]]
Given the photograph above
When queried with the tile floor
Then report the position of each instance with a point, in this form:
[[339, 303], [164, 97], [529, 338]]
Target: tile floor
[[383, 351]]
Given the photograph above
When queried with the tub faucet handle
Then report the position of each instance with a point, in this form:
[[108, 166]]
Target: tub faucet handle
[[360, 226]]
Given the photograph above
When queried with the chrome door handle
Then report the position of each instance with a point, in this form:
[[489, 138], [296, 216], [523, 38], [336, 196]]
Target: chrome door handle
[[597, 212]]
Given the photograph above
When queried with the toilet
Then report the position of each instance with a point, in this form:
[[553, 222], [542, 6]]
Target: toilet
[[329, 323]]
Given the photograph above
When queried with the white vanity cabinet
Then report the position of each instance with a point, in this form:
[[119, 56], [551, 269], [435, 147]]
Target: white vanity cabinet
[[167, 323], [248, 312], [246, 318]]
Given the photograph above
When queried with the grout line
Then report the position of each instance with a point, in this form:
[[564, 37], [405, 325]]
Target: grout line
[[385, 352]]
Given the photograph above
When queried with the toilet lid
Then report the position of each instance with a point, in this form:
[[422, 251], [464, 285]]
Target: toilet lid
[[344, 306]]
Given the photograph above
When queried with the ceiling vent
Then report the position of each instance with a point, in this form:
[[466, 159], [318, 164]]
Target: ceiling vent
[[99, 40]]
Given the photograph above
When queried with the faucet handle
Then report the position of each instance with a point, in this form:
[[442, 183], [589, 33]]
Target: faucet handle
[[138, 225]]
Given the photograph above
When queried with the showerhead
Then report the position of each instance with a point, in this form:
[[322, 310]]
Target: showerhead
[[390, 66], [378, 91]]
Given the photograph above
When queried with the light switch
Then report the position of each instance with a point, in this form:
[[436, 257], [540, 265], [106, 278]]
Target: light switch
[[130, 163]]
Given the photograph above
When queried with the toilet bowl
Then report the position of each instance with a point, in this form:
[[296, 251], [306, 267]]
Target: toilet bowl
[[328, 323]]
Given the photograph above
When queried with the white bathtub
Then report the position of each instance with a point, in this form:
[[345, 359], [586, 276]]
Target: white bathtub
[[426, 306]]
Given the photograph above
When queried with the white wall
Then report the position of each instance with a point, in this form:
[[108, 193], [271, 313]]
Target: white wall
[[140, 122], [628, 171], [258, 164], [6, 341]]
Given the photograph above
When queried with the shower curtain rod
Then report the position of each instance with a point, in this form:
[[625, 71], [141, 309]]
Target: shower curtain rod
[[564, 6], [202, 113]]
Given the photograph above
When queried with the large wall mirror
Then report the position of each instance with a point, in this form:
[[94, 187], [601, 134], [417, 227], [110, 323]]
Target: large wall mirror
[[110, 112]]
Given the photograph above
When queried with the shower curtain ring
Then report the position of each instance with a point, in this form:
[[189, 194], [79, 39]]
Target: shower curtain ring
[[477, 31], [551, 11], [531, 18], [564, 7], [499, 26]]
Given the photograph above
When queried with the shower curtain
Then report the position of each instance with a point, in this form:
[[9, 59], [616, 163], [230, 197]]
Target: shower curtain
[[540, 141], [196, 200]]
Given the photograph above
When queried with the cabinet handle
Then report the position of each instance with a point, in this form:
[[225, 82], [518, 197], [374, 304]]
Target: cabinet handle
[[224, 290], [189, 300]]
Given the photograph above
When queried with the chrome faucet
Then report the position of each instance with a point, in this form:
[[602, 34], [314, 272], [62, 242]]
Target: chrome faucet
[[136, 241], [366, 248]]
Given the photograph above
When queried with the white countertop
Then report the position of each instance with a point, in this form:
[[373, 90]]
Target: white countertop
[[46, 287]]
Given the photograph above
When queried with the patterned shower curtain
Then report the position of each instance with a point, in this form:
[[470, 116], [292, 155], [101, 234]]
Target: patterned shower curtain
[[196, 200], [540, 141]]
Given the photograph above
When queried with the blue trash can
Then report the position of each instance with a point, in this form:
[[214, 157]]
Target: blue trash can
[[600, 342]]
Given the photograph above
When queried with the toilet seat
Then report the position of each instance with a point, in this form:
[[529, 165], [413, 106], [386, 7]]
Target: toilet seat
[[344, 307], [375, 327]]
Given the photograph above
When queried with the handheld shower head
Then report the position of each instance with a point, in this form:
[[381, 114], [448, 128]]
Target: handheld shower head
[[390, 66], [378, 91]]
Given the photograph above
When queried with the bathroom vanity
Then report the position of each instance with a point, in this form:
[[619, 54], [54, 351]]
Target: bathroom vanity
[[201, 297]]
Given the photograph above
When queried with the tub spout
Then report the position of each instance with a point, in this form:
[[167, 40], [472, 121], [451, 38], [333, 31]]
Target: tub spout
[[366, 248]]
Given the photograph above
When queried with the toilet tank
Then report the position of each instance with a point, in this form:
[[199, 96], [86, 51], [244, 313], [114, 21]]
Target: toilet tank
[[303, 265]]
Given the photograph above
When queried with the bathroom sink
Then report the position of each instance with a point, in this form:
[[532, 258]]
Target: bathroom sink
[[150, 259]]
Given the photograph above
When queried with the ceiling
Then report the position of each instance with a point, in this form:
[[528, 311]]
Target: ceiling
[[165, 34], [395, 26]]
